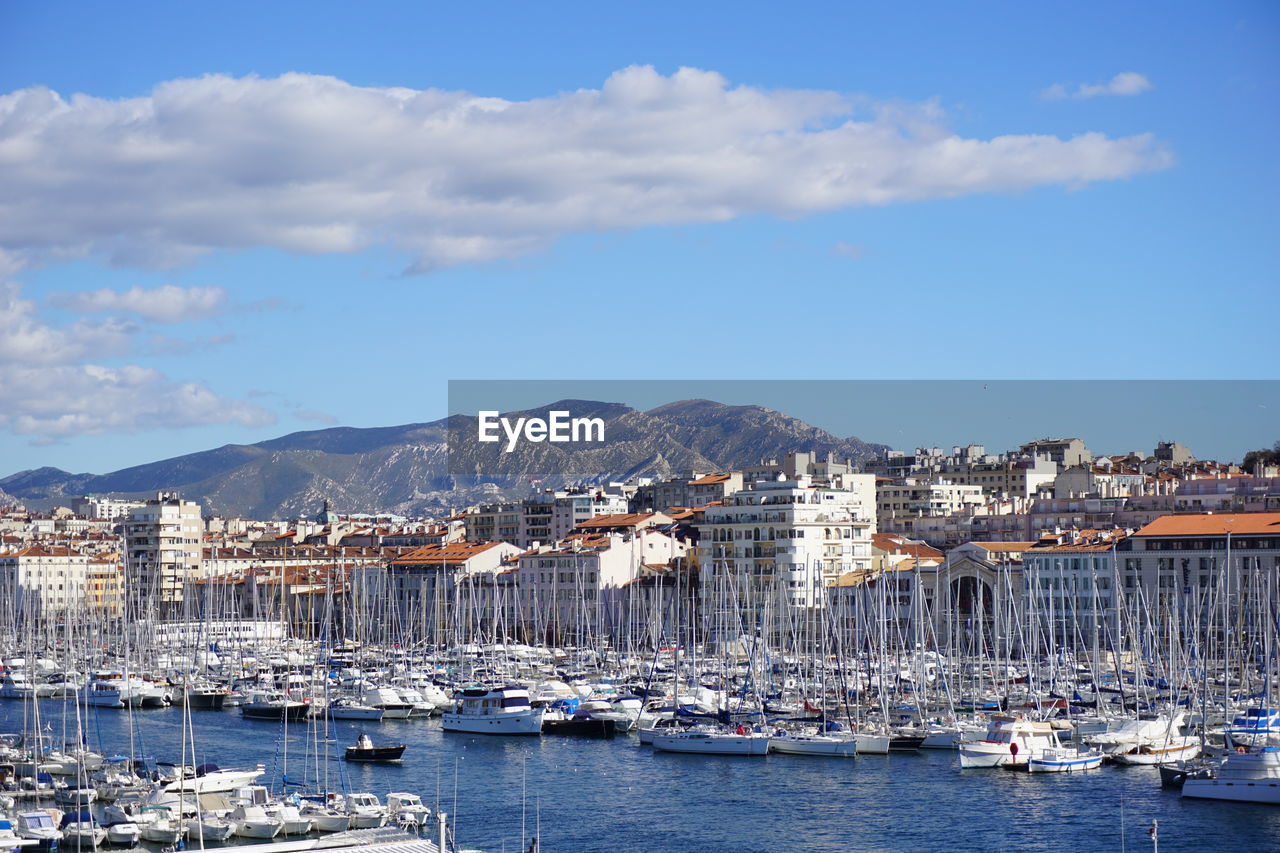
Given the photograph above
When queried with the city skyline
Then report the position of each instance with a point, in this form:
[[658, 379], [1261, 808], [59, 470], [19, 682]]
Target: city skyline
[[227, 224]]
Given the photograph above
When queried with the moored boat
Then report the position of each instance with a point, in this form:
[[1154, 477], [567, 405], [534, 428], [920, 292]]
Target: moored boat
[[495, 711], [1063, 761], [1250, 777]]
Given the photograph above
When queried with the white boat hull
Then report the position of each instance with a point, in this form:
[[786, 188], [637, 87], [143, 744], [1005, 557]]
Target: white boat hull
[[712, 744], [518, 723], [814, 746], [869, 744], [1239, 791]]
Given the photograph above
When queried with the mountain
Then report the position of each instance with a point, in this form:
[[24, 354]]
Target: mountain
[[417, 468]]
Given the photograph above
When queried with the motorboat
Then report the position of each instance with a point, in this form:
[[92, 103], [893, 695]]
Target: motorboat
[[126, 833], [364, 749], [1009, 740], [324, 816], [271, 705], [1248, 777], [159, 825], [393, 707], [365, 811], [80, 830], [205, 697], [209, 778], [295, 822], [407, 810], [250, 814], [502, 710], [10, 840], [38, 826], [346, 709]]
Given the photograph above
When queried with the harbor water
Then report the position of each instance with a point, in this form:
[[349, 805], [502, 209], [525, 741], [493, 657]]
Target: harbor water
[[611, 795]]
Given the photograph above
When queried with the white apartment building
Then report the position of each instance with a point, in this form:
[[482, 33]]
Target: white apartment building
[[914, 499], [97, 506], [163, 550], [42, 580], [786, 540]]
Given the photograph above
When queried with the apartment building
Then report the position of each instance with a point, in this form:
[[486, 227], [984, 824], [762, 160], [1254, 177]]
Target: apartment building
[[163, 550], [786, 540], [42, 581]]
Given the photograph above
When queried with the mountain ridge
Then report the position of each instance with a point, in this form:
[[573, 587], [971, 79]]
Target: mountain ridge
[[427, 467]]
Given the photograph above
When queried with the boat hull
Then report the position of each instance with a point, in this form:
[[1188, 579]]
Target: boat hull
[[519, 723], [814, 746], [712, 744]]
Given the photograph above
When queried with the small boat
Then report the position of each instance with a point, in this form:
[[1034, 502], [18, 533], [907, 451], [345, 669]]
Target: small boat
[[1062, 761], [38, 826], [364, 750], [407, 811], [81, 830]]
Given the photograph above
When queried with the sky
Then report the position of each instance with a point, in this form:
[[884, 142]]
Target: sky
[[220, 223]]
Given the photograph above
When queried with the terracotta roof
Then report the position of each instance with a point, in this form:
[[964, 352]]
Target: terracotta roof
[[450, 553], [1249, 523], [709, 479], [625, 519], [896, 545], [44, 551]]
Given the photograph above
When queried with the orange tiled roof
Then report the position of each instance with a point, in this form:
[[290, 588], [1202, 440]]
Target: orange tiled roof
[[451, 553], [624, 519], [1250, 523], [709, 479]]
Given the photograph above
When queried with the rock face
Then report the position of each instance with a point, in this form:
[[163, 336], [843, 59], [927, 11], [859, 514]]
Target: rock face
[[423, 468]]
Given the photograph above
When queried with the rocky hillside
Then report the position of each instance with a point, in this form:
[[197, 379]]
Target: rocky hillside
[[419, 468]]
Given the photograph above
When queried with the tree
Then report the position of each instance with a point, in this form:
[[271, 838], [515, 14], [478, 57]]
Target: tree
[[1263, 457]]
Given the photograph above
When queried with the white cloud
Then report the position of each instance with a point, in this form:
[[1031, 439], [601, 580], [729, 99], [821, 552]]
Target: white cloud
[[313, 164], [51, 385], [1124, 83], [165, 304], [848, 250]]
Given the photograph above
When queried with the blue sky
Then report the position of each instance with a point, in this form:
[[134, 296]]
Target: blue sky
[[934, 191]]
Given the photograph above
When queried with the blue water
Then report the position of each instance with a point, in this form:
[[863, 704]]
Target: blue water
[[597, 795]]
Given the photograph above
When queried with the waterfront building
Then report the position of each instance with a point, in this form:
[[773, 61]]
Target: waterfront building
[[1221, 569], [42, 580]]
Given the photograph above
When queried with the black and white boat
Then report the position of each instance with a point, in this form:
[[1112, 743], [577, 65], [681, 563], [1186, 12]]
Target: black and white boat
[[365, 750]]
